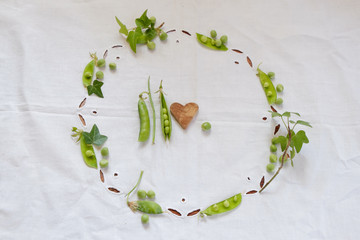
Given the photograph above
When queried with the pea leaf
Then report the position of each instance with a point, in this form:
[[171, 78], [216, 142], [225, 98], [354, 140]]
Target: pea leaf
[[143, 21], [150, 33], [275, 114], [95, 88], [142, 39], [133, 37], [94, 136], [286, 114], [299, 139], [123, 28], [301, 122], [283, 142], [296, 113]]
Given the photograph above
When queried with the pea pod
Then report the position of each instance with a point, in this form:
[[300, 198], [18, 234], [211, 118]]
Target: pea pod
[[145, 206], [88, 73], [165, 117], [223, 206], [91, 160], [208, 43], [144, 121], [268, 86]]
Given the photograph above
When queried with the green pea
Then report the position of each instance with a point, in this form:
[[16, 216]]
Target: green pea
[[101, 63], [164, 110], [278, 101], [213, 42], [153, 19], [206, 126], [150, 194], [88, 74], [141, 194], [145, 218], [285, 159], [89, 153], [166, 123], [215, 208], [269, 94], [218, 42], [165, 116], [273, 158], [213, 34], [204, 39], [104, 151], [85, 148], [224, 39], [271, 75], [274, 140], [104, 163], [167, 130], [144, 132], [270, 167], [99, 75], [266, 85], [235, 199], [163, 36], [279, 88], [273, 148], [151, 45], [226, 203], [112, 66]]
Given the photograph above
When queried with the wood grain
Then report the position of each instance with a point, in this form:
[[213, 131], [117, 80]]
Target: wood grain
[[184, 114]]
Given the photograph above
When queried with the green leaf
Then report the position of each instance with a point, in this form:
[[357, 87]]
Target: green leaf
[[143, 21], [100, 140], [299, 139], [142, 39], [292, 153], [96, 88], [283, 142], [292, 121], [123, 28], [275, 114], [296, 113], [286, 114], [94, 137], [150, 33], [301, 122]]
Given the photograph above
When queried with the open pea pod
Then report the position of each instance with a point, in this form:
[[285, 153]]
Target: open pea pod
[[88, 73], [90, 161], [208, 43], [268, 86], [223, 206]]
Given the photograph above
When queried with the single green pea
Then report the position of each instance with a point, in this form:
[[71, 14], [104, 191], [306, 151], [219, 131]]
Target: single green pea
[[215, 207], [101, 63], [206, 126], [164, 110], [218, 42], [285, 159], [268, 93], [145, 218], [266, 85], [224, 39], [150, 194], [274, 140], [213, 34], [213, 42], [271, 75], [153, 19], [99, 75], [89, 153], [273, 148], [279, 88], [235, 199], [204, 39], [163, 36], [270, 167], [273, 158], [166, 123], [151, 45], [167, 130], [104, 163], [104, 151], [278, 101], [165, 116], [226, 204], [141, 194], [88, 75], [112, 66]]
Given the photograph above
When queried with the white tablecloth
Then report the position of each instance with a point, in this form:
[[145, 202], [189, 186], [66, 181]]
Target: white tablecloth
[[47, 192]]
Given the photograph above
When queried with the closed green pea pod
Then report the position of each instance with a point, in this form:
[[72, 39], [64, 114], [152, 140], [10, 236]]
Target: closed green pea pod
[[144, 132], [145, 206], [88, 71], [268, 86], [85, 150], [223, 206]]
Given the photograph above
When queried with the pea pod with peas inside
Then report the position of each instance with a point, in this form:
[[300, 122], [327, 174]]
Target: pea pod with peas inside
[[87, 150], [144, 120], [164, 115], [223, 206], [267, 85], [89, 71], [206, 41]]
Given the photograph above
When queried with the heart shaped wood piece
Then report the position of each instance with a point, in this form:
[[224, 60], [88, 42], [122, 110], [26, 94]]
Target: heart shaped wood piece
[[184, 114]]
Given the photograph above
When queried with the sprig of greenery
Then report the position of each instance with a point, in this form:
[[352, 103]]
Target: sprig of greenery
[[96, 88], [291, 142], [94, 136], [143, 33]]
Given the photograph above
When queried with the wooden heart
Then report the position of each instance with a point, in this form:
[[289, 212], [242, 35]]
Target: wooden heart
[[184, 114]]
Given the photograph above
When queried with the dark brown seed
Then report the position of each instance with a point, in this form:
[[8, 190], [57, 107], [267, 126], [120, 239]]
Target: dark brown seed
[[172, 30], [82, 119], [249, 61], [102, 176], [161, 25], [236, 50], [105, 54], [193, 212], [82, 103], [264, 118], [186, 32], [273, 109], [262, 181], [115, 174], [117, 57], [94, 112], [251, 192], [173, 211], [236, 62], [277, 127], [183, 200], [113, 190], [248, 178], [116, 46]]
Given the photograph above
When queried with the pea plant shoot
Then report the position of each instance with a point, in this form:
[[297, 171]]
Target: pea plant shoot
[[291, 143], [143, 33]]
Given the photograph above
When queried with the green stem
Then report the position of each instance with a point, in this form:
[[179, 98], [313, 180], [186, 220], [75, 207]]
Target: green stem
[[137, 184], [153, 110]]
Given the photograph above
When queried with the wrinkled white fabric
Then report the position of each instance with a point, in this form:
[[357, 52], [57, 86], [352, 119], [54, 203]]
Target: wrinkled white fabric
[[47, 192]]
